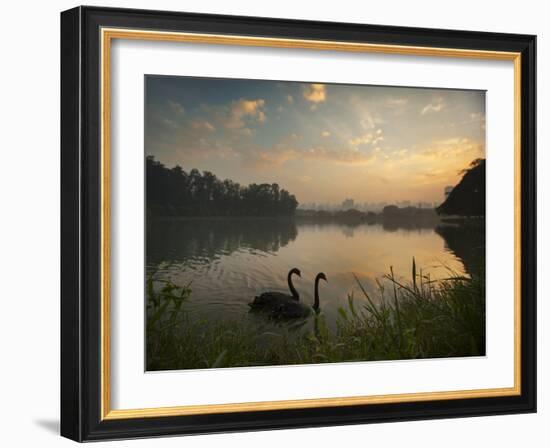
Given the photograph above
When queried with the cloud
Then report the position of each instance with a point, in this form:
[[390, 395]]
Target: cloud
[[396, 105], [247, 107], [399, 153], [279, 154], [176, 107], [454, 152], [370, 138], [171, 115], [315, 93], [434, 106], [242, 109], [476, 116], [170, 123], [222, 131], [369, 121], [202, 124], [396, 102], [269, 158], [344, 156], [361, 140]]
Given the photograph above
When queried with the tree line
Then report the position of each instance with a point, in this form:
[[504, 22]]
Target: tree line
[[175, 192]]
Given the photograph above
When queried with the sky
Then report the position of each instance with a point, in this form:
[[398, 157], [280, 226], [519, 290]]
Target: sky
[[321, 142]]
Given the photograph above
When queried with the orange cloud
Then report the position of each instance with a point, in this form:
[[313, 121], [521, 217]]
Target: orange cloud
[[245, 108], [315, 93]]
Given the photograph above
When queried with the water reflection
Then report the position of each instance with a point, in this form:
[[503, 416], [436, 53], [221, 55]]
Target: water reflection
[[204, 240], [228, 262], [466, 242]]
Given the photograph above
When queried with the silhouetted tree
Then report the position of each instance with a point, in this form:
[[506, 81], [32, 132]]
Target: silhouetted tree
[[177, 193], [468, 197], [390, 210]]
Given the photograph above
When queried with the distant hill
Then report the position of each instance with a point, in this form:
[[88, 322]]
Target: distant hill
[[468, 197]]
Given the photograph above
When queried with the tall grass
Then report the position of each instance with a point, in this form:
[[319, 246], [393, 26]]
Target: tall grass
[[421, 318]]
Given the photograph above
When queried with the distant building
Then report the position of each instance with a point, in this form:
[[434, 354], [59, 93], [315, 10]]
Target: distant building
[[448, 190], [348, 204]]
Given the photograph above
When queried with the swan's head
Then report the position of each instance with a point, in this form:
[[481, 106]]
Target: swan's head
[[295, 271], [322, 276]]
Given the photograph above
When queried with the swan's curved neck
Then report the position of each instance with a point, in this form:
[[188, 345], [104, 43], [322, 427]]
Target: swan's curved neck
[[291, 286], [316, 302]]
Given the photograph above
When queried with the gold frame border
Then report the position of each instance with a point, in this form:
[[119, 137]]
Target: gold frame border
[[107, 35]]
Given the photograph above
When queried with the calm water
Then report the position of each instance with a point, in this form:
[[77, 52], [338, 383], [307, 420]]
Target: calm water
[[231, 261]]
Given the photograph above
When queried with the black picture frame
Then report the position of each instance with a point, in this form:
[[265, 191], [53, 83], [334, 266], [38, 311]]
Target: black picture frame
[[81, 224]]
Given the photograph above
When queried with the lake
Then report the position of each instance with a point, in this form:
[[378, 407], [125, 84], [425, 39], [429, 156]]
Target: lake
[[229, 261]]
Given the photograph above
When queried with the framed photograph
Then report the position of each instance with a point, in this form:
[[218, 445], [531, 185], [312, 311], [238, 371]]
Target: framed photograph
[[276, 224]]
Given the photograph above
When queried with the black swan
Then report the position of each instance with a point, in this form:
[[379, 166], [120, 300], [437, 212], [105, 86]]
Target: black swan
[[272, 300], [292, 309]]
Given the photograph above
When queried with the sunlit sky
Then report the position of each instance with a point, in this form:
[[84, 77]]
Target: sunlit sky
[[322, 142]]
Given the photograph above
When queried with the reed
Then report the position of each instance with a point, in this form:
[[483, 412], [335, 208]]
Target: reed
[[420, 318]]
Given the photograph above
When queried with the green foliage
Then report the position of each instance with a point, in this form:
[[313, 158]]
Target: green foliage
[[164, 309], [420, 319], [427, 319]]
